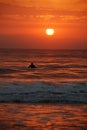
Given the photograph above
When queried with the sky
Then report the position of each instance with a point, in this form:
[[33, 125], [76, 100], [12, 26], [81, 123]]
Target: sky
[[23, 24]]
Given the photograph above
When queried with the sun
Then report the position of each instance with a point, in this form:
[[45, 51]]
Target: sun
[[50, 31]]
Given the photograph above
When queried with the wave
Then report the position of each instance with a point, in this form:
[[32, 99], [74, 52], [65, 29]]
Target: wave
[[41, 92], [12, 70], [4, 71]]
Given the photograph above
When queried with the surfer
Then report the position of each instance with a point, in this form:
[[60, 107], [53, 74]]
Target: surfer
[[32, 65]]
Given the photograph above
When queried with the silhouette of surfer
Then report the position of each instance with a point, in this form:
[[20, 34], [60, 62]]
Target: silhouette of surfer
[[32, 65]]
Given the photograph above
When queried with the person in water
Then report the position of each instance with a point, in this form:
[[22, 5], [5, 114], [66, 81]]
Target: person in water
[[32, 65]]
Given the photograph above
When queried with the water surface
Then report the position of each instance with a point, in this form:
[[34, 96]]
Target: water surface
[[43, 117]]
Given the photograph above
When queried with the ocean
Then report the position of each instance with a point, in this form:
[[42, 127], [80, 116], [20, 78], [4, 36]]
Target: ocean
[[52, 96]]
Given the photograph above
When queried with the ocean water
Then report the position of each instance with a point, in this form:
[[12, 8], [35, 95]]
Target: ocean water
[[53, 66], [61, 75], [52, 96], [43, 117]]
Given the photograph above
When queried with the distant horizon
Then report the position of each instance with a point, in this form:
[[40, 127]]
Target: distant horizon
[[43, 49]]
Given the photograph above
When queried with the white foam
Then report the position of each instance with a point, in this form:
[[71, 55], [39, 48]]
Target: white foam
[[43, 92]]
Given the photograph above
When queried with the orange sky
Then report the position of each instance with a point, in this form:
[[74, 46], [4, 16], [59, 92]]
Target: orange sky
[[23, 24]]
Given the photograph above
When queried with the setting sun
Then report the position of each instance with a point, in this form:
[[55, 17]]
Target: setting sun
[[50, 31]]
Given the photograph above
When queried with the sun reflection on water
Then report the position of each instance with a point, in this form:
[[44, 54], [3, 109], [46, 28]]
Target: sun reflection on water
[[43, 117]]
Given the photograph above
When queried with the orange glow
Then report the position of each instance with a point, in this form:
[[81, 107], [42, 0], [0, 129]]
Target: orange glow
[[44, 117], [25, 18]]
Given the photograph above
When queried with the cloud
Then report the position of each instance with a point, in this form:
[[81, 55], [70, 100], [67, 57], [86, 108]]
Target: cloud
[[82, 4], [82, 1], [32, 14]]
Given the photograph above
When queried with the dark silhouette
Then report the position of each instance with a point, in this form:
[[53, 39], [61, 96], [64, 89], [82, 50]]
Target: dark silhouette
[[32, 65]]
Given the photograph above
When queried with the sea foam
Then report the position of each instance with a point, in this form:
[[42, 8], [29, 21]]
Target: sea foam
[[42, 92]]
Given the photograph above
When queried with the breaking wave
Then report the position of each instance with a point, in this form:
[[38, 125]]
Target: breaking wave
[[42, 92], [6, 71]]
